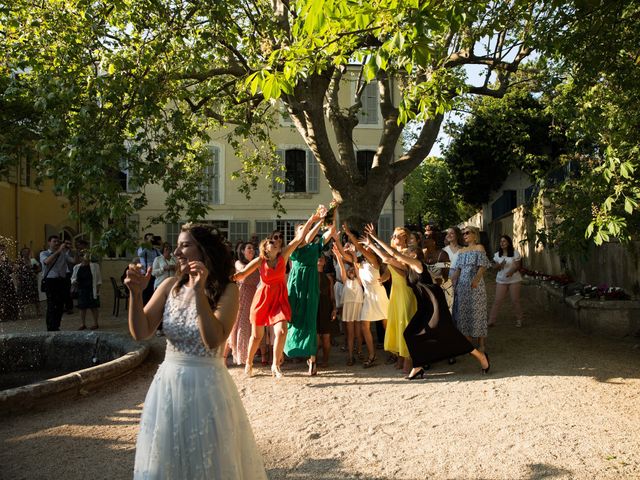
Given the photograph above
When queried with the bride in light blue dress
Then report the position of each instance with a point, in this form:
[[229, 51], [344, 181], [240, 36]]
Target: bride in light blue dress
[[193, 424]]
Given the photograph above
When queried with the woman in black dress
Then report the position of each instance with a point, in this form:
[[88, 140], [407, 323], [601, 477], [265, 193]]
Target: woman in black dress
[[86, 279], [430, 335]]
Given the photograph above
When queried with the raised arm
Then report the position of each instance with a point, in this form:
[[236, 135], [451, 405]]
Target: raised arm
[[144, 320], [338, 255], [311, 234], [386, 258], [247, 270], [300, 235], [371, 257]]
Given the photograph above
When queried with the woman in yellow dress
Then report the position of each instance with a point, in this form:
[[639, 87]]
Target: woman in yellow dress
[[402, 301]]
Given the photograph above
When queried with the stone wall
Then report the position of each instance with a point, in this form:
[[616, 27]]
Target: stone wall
[[612, 264]]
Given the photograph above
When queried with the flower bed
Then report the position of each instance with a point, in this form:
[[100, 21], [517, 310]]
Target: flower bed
[[596, 310]]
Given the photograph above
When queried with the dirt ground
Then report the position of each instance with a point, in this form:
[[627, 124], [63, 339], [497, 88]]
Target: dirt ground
[[558, 404]]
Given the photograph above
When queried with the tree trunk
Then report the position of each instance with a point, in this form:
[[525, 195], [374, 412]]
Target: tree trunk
[[359, 206]]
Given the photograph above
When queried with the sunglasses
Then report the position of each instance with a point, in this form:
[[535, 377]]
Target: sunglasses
[[277, 236], [466, 233]]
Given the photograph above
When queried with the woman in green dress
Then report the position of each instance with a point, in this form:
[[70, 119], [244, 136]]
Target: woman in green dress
[[304, 294]]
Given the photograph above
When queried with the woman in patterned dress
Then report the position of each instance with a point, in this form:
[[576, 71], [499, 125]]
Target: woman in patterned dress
[[193, 423], [470, 296], [270, 304], [239, 338]]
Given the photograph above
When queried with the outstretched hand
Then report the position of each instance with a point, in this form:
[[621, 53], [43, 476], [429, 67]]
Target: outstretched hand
[[369, 229], [136, 281]]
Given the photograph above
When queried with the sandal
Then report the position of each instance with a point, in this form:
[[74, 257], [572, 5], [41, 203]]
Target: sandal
[[351, 361], [370, 362]]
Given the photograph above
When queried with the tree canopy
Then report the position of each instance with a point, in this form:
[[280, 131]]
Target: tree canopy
[[142, 83], [584, 113], [430, 198], [499, 136]]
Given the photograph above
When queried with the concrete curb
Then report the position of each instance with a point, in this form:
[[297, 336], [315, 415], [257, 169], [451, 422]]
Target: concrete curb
[[129, 354]]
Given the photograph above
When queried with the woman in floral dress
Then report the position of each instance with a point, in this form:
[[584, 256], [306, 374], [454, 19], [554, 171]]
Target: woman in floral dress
[[470, 296], [241, 334]]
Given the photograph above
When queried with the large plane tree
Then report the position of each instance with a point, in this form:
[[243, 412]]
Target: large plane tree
[[98, 85]]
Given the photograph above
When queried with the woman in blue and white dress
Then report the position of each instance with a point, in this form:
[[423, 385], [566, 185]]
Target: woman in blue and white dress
[[470, 296], [193, 423]]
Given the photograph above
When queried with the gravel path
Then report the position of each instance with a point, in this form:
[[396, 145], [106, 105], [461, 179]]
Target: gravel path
[[557, 404]]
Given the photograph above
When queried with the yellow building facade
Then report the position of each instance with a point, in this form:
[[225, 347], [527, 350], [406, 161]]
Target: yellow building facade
[[29, 213]]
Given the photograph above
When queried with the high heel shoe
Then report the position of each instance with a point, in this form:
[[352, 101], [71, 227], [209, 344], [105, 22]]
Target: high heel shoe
[[419, 373], [486, 370], [248, 370], [276, 372], [313, 368], [370, 362]]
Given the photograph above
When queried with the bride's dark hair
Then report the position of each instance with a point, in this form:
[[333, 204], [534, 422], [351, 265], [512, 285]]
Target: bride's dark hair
[[216, 258]]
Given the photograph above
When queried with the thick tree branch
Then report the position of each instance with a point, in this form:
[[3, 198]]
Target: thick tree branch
[[420, 150]]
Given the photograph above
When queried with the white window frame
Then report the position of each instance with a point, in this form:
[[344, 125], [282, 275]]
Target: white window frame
[[238, 230], [385, 227], [172, 232], [263, 228], [365, 148], [124, 168], [312, 170], [213, 185]]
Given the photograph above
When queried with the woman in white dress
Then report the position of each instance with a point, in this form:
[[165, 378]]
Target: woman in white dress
[[376, 300], [453, 243], [508, 280], [193, 423]]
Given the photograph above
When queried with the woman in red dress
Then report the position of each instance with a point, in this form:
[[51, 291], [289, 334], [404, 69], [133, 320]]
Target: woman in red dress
[[270, 306]]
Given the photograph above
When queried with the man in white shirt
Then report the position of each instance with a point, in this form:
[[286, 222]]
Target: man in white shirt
[[55, 263]]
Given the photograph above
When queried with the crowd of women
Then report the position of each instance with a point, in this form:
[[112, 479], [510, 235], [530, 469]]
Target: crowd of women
[[193, 423], [293, 295]]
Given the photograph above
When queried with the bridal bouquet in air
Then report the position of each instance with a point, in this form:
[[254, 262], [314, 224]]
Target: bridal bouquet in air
[[328, 213]]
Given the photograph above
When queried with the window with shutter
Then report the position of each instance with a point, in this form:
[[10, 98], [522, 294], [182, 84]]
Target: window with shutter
[[238, 230], [313, 173], [264, 228], [295, 161], [211, 189], [364, 160], [279, 174], [368, 114], [385, 227]]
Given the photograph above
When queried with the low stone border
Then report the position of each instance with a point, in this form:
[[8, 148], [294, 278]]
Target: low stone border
[[126, 353], [613, 318]]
